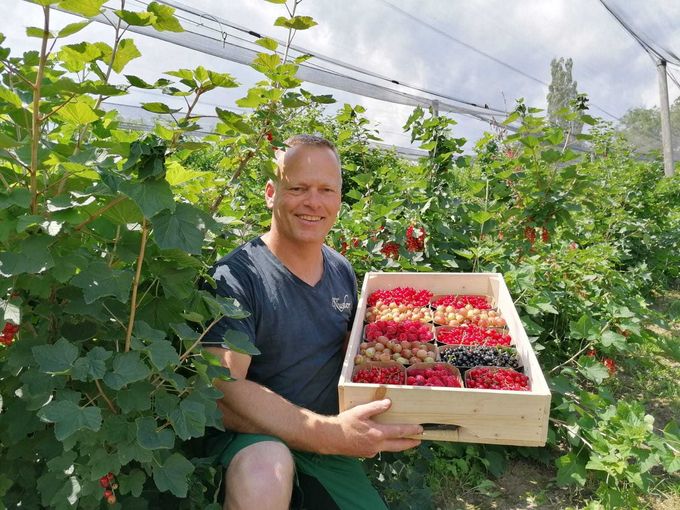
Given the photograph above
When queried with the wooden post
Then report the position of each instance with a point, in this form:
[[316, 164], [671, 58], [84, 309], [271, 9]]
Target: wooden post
[[665, 120]]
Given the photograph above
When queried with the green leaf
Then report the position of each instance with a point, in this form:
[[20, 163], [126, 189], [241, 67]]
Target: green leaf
[[592, 369], [38, 32], [128, 367], [296, 22], [135, 81], [162, 354], [139, 19], [165, 20], [91, 367], [21, 197], [72, 28], [136, 397], [584, 328], [233, 120], [152, 196], [481, 216], [151, 437], [173, 475], [188, 419], [78, 113], [240, 342], [132, 482], [55, 358], [570, 470], [277, 1], [125, 52], [181, 229], [611, 338], [88, 8], [32, 255], [69, 418], [99, 280], [159, 108], [267, 43]]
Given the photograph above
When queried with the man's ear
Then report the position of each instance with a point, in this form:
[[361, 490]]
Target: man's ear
[[269, 192]]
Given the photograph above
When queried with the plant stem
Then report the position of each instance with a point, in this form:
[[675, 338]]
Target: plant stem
[[101, 211], [108, 401], [135, 285], [36, 124]]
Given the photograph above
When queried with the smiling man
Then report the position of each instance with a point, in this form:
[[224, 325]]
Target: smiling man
[[286, 445]]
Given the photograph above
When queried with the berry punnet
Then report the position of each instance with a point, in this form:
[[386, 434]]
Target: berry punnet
[[471, 334], [398, 313], [402, 331], [492, 378], [479, 355], [457, 302], [379, 375], [437, 375], [450, 316], [400, 296], [405, 352]]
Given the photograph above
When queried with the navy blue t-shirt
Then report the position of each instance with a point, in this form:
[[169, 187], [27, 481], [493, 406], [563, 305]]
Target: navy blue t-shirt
[[299, 329]]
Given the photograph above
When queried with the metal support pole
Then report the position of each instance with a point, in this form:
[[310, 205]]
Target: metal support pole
[[665, 120], [435, 108]]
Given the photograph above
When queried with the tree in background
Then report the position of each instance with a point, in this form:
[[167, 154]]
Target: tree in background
[[642, 128], [563, 95]]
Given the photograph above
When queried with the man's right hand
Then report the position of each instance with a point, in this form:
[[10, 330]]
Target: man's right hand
[[354, 433]]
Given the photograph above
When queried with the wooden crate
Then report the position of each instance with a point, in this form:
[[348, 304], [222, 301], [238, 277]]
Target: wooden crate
[[456, 414]]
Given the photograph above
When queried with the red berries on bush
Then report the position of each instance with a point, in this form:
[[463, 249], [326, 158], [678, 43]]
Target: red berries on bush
[[492, 378], [415, 238], [8, 332], [390, 250]]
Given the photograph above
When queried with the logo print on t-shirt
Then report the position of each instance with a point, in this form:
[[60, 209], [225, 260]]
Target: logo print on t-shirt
[[341, 306]]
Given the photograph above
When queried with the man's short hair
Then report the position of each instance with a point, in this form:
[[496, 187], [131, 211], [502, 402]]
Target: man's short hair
[[319, 141]]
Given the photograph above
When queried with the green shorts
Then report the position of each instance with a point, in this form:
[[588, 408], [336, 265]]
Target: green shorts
[[322, 481]]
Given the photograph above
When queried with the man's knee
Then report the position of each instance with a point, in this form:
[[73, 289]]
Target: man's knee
[[261, 475]]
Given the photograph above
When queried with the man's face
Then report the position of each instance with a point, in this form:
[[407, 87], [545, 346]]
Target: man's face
[[306, 200]]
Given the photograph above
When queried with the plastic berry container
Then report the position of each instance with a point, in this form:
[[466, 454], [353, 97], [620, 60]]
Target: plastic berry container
[[417, 375], [496, 378], [379, 372], [472, 351]]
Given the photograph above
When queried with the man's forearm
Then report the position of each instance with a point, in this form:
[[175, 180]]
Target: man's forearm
[[252, 408]]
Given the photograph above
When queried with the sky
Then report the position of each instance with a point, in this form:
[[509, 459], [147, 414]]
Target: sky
[[481, 51]]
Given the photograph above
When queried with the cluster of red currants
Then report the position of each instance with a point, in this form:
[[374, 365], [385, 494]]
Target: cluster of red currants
[[492, 378], [380, 375], [109, 484], [471, 334], [400, 296], [478, 302], [8, 332], [402, 331], [390, 250], [438, 375], [415, 240]]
